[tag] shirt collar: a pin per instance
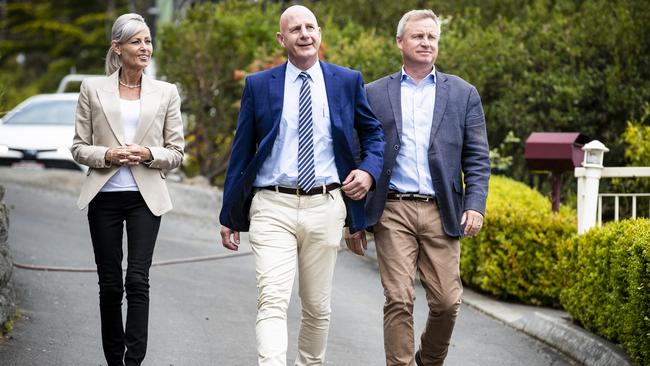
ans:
(293, 72)
(431, 76)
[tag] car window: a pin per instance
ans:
(45, 112)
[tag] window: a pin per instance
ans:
(45, 112)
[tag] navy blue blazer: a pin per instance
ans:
(458, 147)
(257, 129)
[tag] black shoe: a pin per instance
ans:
(418, 359)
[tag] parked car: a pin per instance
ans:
(72, 81)
(38, 132)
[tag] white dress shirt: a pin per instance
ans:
(411, 172)
(123, 179)
(281, 166)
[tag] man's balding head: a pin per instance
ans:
(293, 11)
(300, 35)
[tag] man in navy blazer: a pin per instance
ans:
(293, 182)
(435, 141)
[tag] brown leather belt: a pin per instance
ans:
(397, 196)
(300, 192)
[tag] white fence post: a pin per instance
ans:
(588, 182)
(579, 173)
(591, 181)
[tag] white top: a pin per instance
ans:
(123, 179)
(281, 166)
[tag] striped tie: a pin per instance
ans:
(306, 170)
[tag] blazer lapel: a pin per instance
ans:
(395, 100)
(150, 97)
(332, 90)
(442, 95)
(109, 97)
(276, 93)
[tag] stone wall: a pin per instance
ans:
(7, 304)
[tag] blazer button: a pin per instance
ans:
(396, 147)
(388, 171)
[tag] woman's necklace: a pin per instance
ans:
(129, 86)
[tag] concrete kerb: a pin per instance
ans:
(550, 326)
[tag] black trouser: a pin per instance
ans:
(106, 216)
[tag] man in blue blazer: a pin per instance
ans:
(435, 141)
(293, 182)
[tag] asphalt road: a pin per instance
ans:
(202, 313)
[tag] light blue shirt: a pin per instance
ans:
(281, 166)
(411, 172)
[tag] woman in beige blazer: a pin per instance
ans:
(128, 132)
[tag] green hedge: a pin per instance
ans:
(515, 255)
(528, 254)
(608, 272)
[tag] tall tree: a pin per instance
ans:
(201, 52)
(42, 41)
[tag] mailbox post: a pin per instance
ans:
(555, 152)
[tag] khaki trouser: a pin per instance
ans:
(409, 238)
(289, 231)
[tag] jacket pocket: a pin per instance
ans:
(458, 187)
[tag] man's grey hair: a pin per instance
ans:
(125, 27)
(416, 15)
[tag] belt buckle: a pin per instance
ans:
(397, 196)
(297, 191)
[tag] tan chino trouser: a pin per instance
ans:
(290, 232)
(409, 238)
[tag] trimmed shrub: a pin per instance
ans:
(607, 275)
(515, 256)
(201, 52)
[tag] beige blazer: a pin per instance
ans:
(98, 126)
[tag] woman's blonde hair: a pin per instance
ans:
(125, 27)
